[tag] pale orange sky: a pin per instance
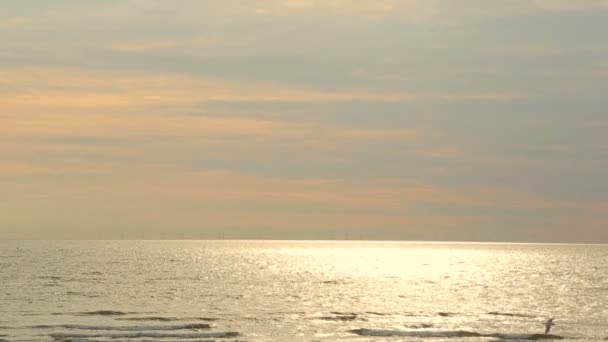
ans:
(295, 119)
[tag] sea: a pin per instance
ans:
(230, 291)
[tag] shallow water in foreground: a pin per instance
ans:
(300, 291)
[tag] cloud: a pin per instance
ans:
(73, 88)
(231, 9)
(65, 15)
(307, 113)
(565, 5)
(14, 23)
(396, 194)
(157, 196)
(171, 44)
(405, 9)
(10, 168)
(410, 10)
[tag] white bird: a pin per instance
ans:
(548, 324)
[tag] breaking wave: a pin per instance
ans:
(103, 313)
(67, 336)
(166, 319)
(451, 334)
(196, 326)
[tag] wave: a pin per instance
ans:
(406, 314)
(166, 319)
(363, 316)
(377, 313)
(420, 326)
(103, 313)
(82, 294)
(64, 336)
(340, 316)
(508, 314)
(451, 334)
(422, 334)
(529, 337)
(195, 326)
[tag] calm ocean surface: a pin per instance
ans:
(299, 291)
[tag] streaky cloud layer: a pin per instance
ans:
(439, 120)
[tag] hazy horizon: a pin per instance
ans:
(329, 242)
(428, 120)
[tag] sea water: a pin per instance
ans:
(300, 291)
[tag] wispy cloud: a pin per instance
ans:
(171, 196)
(9, 168)
(90, 89)
(564, 5)
(169, 44)
(406, 9)
(13, 22)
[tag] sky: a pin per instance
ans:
(468, 120)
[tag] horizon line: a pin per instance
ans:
(424, 242)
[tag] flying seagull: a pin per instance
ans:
(548, 324)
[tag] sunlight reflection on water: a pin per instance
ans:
(300, 290)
